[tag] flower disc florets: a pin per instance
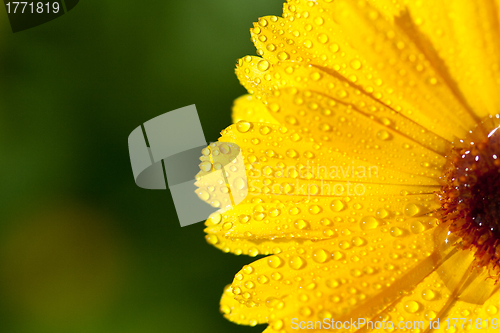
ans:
(470, 195)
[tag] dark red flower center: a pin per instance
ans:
(470, 195)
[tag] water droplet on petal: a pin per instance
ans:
(430, 315)
(205, 166)
(412, 209)
(396, 232)
(320, 255)
(265, 130)
(337, 205)
(383, 135)
(356, 64)
(491, 310)
(323, 38)
(301, 224)
(315, 209)
(417, 227)
(283, 55)
(428, 294)
(203, 195)
(296, 262)
(248, 269)
(243, 126)
(382, 213)
(274, 261)
(239, 183)
(212, 239)
(411, 307)
(368, 223)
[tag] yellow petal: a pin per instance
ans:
(272, 226)
(248, 108)
(306, 77)
(437, 298)
(465, 35)
(272, 151)
(355, 133)
(313, 282)
(370, 52)
(236, 311)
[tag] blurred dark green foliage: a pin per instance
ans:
(82, 249)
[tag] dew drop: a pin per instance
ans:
(320, 255)
(332, 284)
(214, 219)
(292, 153)
(315, 76)
(412, 209)
(492, 310)
(274, 261)
(203, 195)
(263, 65)
(296, 262)
(385, 121)
(265, 130)
(326, 221)
(383, 135)
(225, 309)
(337, 255)
(328, 232)
(428, 294)
(283, 55)
(278, 325)
(301, 224)
(205, 166)
(411, 307)
(396, 232)
(271, 47)
(248, 269)
(243, 126)
(239, 183)
(291, 120)
(356, 64)
(252, 252)
(305, 311)
(382, 213)
(309, 154)
(212, 239)
(344, 245)
(275, 212)
(323, 38)
(262, 279)
(430, 315)
(315, 209)
(358, 241)
(417, 227)
(337, 205)
(325, 127)
(295, 137)
(368, 223)
(244, 218)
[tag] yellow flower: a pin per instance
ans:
(369, 141)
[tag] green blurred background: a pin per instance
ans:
(82, 249)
